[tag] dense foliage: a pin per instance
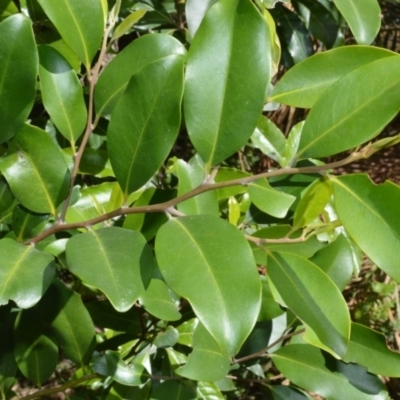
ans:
(161, 237)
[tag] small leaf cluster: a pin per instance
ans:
(162, 276)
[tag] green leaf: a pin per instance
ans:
(356, 195)
(312, 203)
(157, 300)
(117, 261)
(36, 354)
(207, 261)
(18, 71)
(141, 52)
(303, 84)
(269, 139)
(190, 176)
(207, 362)
(307, 367)
(7, 8)
(337, 260)
(354, 119)
(141, 139)
(270, 309)
(195, 12)
(127, 23)
(6, 197)
(36, 170)
(287, 393)
(221, 107)
(62, 94)
(314, 298)
(113, 365)
(368, 348)
(27, 224)
(70, 323)
(269, 200)
(21, 264)
(173, 390)
(80, 23)
(209, 391)
(364, 19)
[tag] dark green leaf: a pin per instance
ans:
(221, 107)
(8, 366)
(36, 171)
(18, 71)
(173, 390)
(62, 94)
(21, 264)
(208, 261)
(141, 52)
(314, 298)
(140, 140)
(80, 23)
(27, 224)
(117, 261)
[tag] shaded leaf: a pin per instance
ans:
(139, 141)
(8, 366)
(207, 362)
(222, 108)
(18, 71)
(173, 390)
(356, 195)
(27, 224)
(303, 84)
(223, 287)
(117, 261)
(364, 19)
(314, 298)
(127, 23)
(80, 23)
(36, 171)
(21, 264)
(368, 348)
(70, 323)
(308, 367)
(141, 52)
(62, 93)
(158, 301)
(356, 118)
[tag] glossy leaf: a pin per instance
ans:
(307, 367)
(191, 175)
(368, 348)
(141, 52)
(18, 71)
(36, 354)
(303, 84)
(207, 362)
(7, 8)
(80, 23)
(221, 108)
(23, 264)
(195, 12)
(62, 93)
(223, 287)
(36, 171)
(354, 119)
(313, 202)
(281, 392)
(27, 224)
(139, 140)
(127, 23)
(209, 390)
(117, 261)
(270, 200)
(364, 19)
(71, 326)
(157, 300)
(313, 297)
(378, 206)
(337, 260)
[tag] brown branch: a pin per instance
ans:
(204, 187)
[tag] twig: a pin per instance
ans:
(204, 187)
(260, 241)
(262, 352)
